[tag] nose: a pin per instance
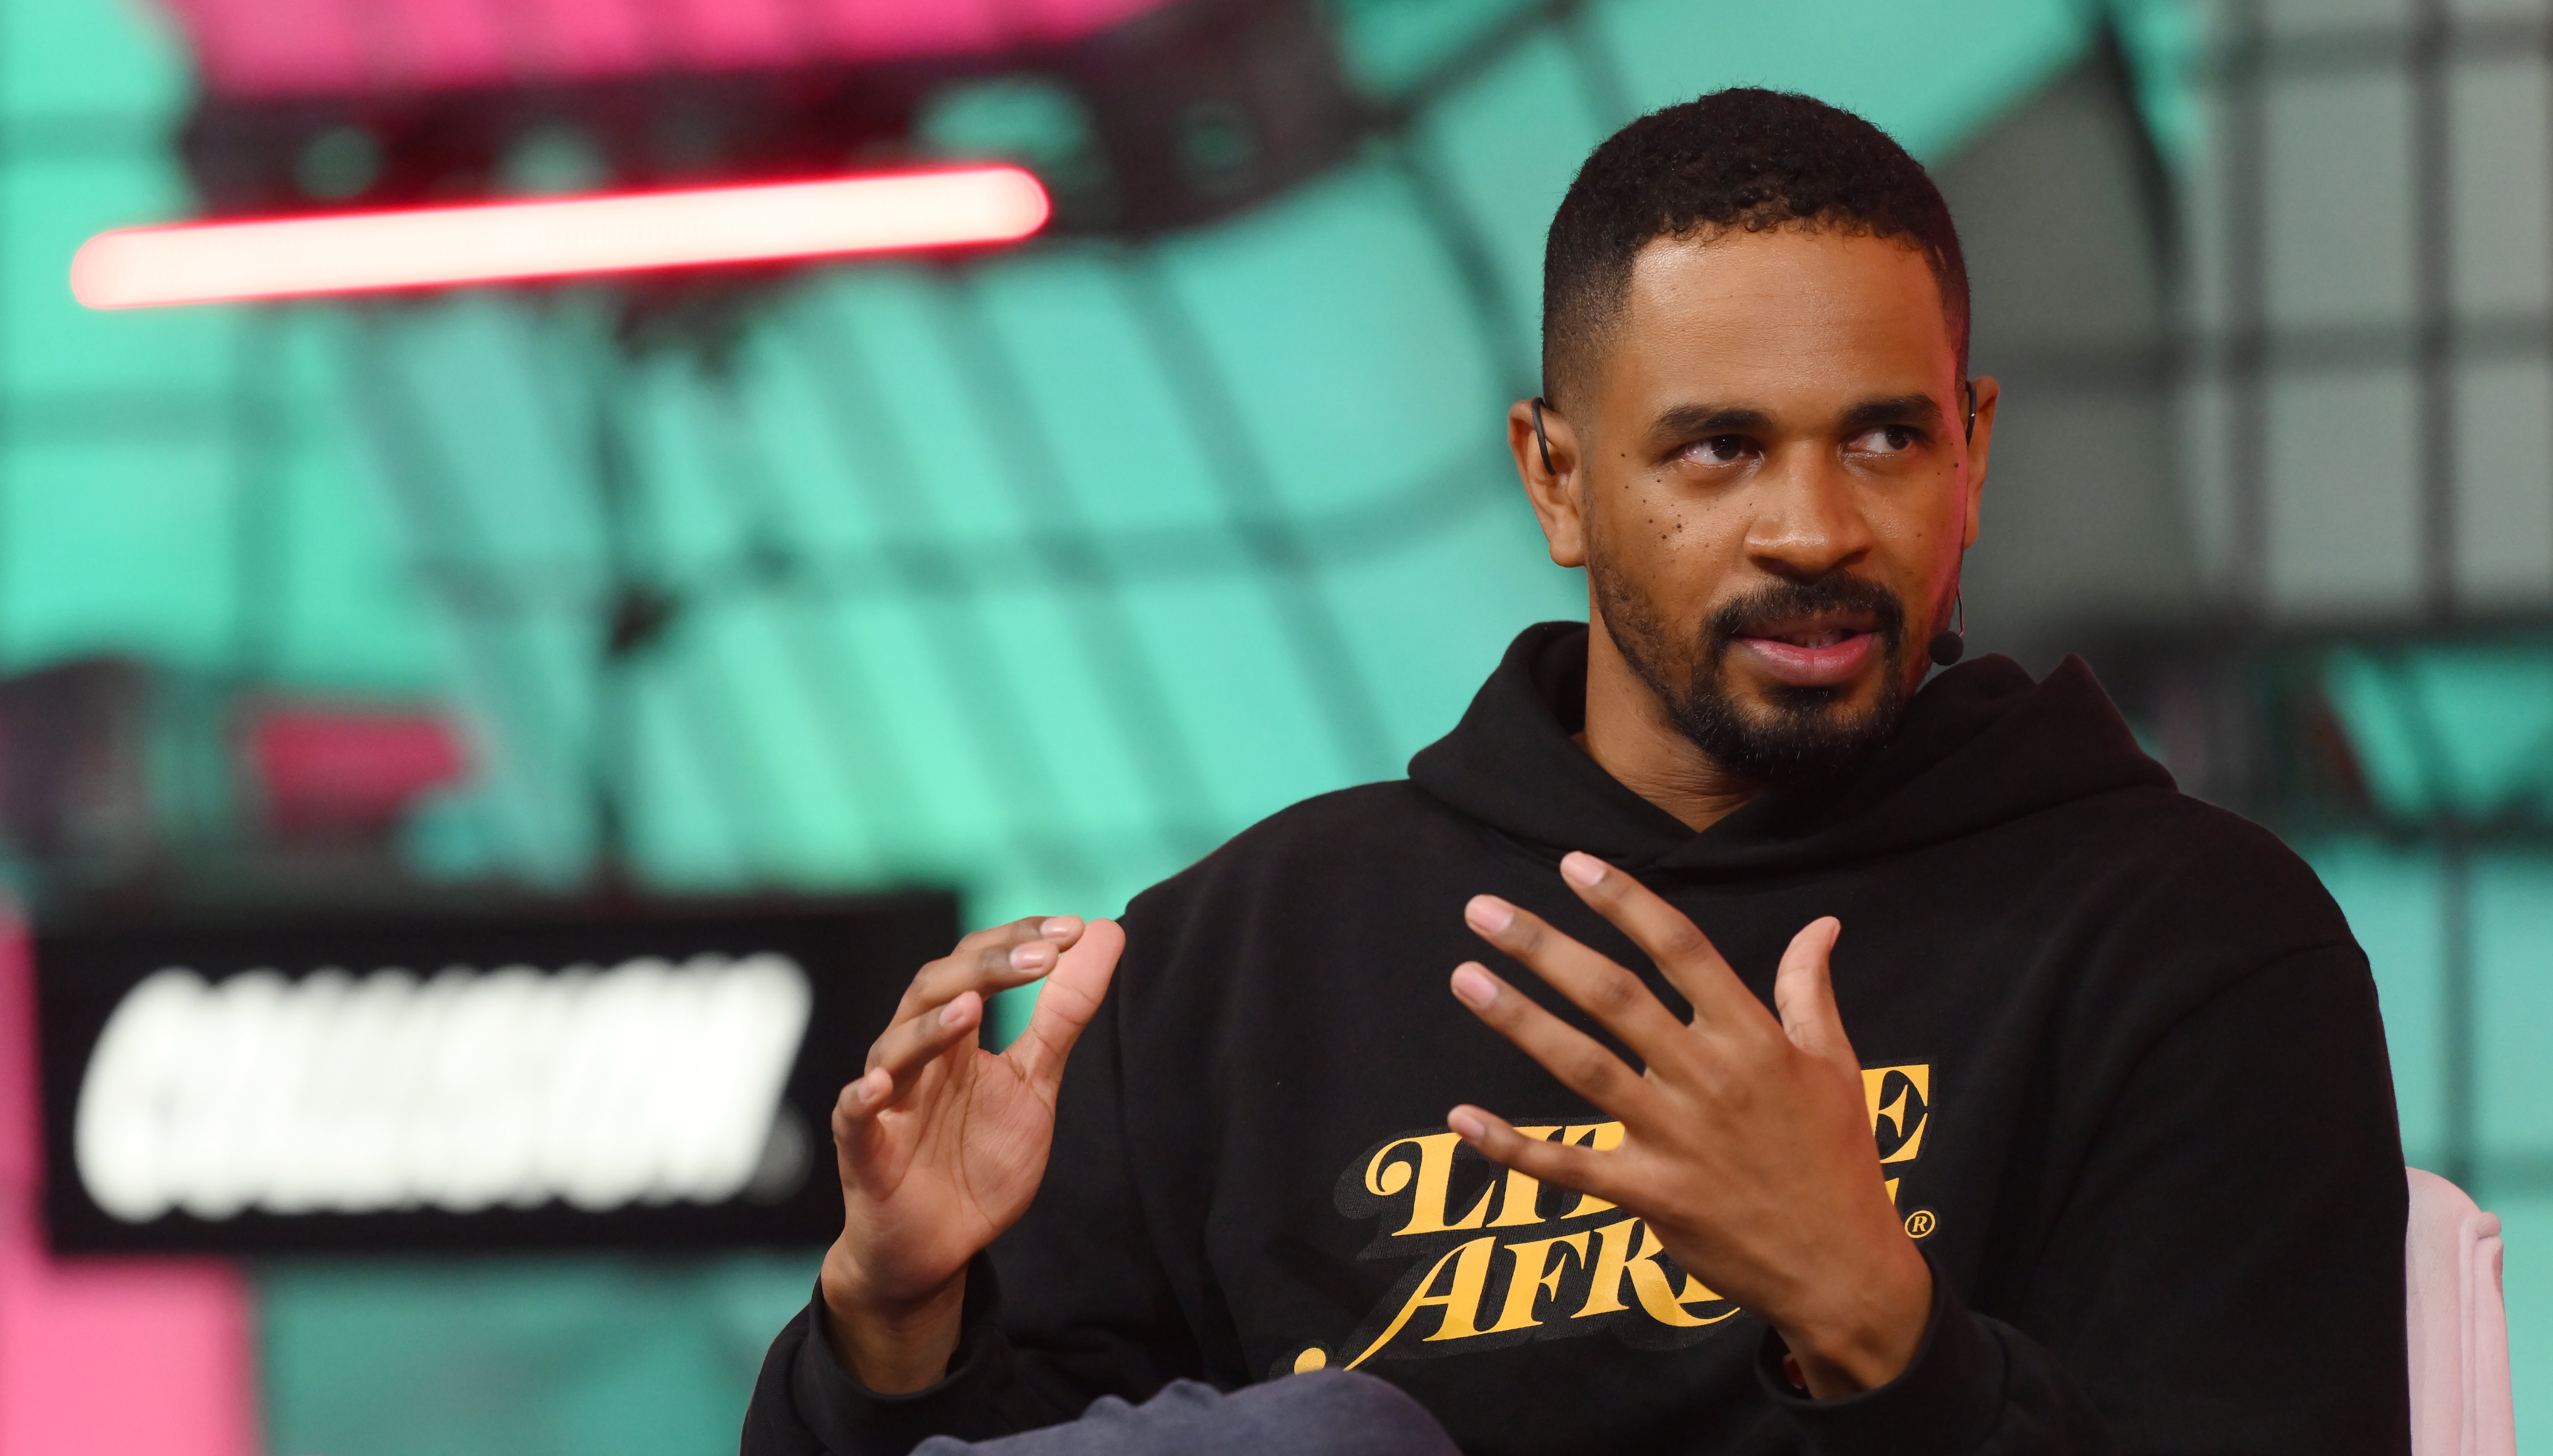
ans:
(1808, 519)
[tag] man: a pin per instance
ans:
(1831, 1063)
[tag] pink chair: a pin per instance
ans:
(2458, 1328)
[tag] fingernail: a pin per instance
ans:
(1466, 1124)
(865, 1090)
(1488, 914)
(1474, 987)
(1582, 868)
(1029, 954)
(952, 1013)
(1060, 927)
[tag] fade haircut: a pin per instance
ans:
(1746, 158)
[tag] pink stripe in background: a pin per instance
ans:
(734, 34)
(308, 48)
(867, 32)
(110, 1357)
(1065, 19)
(585, 39)
(432, 45)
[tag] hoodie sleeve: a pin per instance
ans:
(2226, 1275)
(1068, 1305)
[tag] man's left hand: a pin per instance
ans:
(1746, 1144)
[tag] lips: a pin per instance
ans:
(1824, 652)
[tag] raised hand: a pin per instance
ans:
(942, 1144)
(1745, 1143)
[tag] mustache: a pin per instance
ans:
(1758, 611)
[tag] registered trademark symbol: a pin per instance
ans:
(1918, 1223)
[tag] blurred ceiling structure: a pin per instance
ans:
(1044, 571)
(1037, 574)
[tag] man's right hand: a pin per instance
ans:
(942, 1143)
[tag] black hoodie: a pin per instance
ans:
(2124, 1068)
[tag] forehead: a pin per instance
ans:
(1739, 314)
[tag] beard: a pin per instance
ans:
(1798, 736)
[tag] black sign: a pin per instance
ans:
(556, 1077)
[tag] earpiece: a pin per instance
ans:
(1951, 643)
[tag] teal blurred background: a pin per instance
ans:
(1039, 576)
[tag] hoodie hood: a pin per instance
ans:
(1980, 744)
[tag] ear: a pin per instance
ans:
(1978, 446)
(1553, 490)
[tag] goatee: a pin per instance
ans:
(1801, 736)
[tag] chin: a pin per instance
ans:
(1782, 733)
(1770, 702)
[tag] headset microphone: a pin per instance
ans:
(1951, 643)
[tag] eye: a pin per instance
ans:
(1721, 450)
(1885, 439)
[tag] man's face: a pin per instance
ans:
(1771, 490)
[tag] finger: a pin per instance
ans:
(992, 959)
(1067, 1003)
(1581, 1169)
(867, 1154)
(1594, 982)
(1803, 994)
(1581, 1062)
(1684, 955)
(859, 1141)
(913, 1044)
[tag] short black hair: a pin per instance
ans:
(1746, 158)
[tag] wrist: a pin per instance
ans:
(1868, 1332)
(892, 1345)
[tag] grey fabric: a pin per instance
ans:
(1327, 1412)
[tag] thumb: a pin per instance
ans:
(1804, 995)
(1066, 1001)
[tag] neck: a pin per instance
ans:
(1629, 735)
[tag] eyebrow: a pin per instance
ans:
(1898, 409)
(1687, 421)
(1696, 421)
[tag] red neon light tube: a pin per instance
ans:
(434, 247)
